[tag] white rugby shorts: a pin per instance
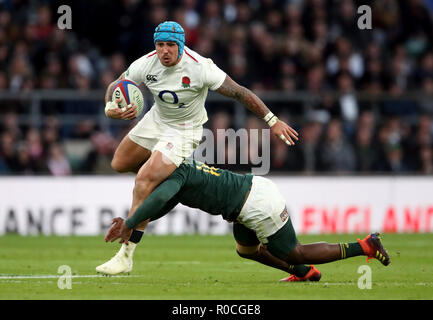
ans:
(264, 211)
(176, 143)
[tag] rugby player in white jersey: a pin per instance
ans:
(179, 80)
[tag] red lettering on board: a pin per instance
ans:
(390, 221)
(329, 221)
(350, 211)
(428, 219)
(412, 219)
(307, 219)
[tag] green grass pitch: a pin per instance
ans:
(196, 267)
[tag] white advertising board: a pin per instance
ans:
(86, 205)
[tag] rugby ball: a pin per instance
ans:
(130, 93)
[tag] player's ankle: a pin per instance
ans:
(301, 270)
(136, 236)
(348, 250)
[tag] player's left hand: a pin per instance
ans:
(118, 230)
(125, 113)
(285, 132)
(114, 232)
(125, 233)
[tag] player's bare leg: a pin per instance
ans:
(323, 252)
(150, 175)
(315, 253)
(260, 254)
(154, 171)
(129, 156)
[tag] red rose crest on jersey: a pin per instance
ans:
(185, 82)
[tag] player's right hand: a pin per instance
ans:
(114, 112)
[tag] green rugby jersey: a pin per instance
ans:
(196, 185)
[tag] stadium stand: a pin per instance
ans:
(361, 99)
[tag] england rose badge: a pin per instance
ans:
(186, 82)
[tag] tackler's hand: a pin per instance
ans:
(125, 233)
(115, 230)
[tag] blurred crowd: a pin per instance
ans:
(310, 46)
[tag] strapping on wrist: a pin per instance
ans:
(108, 106)
(270, 119)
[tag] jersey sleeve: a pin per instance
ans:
(166, 209)
(213, 76)
(158, 203)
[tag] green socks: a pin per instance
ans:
(299, 270)
(348, 250)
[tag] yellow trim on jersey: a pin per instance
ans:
(207, 169)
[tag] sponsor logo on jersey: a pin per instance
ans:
(169, 146)
(186, 82)
(152, 77)
(164, 95)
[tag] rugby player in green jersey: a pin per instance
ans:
(262, 227)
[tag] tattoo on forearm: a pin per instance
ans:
(245, 96)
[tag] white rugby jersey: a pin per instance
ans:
(179, 91)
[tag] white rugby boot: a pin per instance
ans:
(121, 262)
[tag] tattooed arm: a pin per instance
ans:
(252, 102)
(231, 89)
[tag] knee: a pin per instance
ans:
(147, 177)
(247, 252)
(142, 188)
(246, 255)
(119, 166)
(145, 183)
